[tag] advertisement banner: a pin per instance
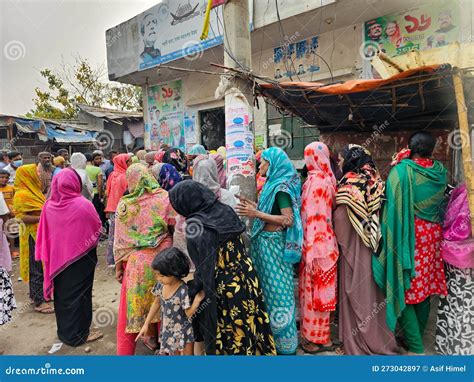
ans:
(239, 138)
(165, 115)
(421, 28)
(296, 58)
(171, 29)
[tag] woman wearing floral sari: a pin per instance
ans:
(277, 238)
(142, 229)
(27, 205)
(232, 320)
(409, 268)
(318, 268)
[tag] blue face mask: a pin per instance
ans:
(17, 163)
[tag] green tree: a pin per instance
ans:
(81, 83)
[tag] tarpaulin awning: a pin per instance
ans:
(137, 129)
(421, 96)
(69, 135)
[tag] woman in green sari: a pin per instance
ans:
(277, 238)
(409, 268)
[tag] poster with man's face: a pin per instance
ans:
(420, 28)
(166, 115)
(171, 30)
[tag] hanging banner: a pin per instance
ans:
(425, 27)
(296, 58)
(165, 115)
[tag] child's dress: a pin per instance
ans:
(176, 328)
(7, 299)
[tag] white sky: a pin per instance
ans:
(38, 33)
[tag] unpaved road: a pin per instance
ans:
(34, 333)
(31, 333)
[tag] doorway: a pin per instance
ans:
(212, 126)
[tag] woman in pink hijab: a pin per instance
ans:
(116, 186)
(220, 169)
(68, 233)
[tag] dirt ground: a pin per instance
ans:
(34, 333)
(31, 333)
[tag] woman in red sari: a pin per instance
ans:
(318, 268)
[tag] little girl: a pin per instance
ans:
(171, 294)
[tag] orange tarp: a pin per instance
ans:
(352, 86)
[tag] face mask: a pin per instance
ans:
(18, 163)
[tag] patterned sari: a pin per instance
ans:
(141, 231)
(318, 268)
(274, 253)
(28, 199)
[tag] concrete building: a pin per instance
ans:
(336, 50)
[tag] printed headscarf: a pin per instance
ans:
(361, 189)
(143, 216)
(320, 249)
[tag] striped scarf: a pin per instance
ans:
(361, 191)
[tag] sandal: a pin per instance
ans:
(150, 343)
(46, 309)
(94, 336)
(320, 348)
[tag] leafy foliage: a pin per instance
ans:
(81, 83)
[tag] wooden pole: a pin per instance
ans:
(466, 147)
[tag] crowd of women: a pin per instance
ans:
(368, 255)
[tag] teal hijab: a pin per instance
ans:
(197, 150)
(282, 176)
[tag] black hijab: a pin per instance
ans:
(177, 158)
(355, 157)
(209, 224)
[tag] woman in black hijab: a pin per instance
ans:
(177, 158)
(232, 318)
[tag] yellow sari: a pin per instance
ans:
(28, 198)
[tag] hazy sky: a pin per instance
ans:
(35, 34)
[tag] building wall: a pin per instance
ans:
(339, 26)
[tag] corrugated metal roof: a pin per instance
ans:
(110, 114)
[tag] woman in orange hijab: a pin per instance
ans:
(116, 186)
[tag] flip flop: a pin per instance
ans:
(150, 343)
(45, 310)
(94, 336)
(320, 349)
